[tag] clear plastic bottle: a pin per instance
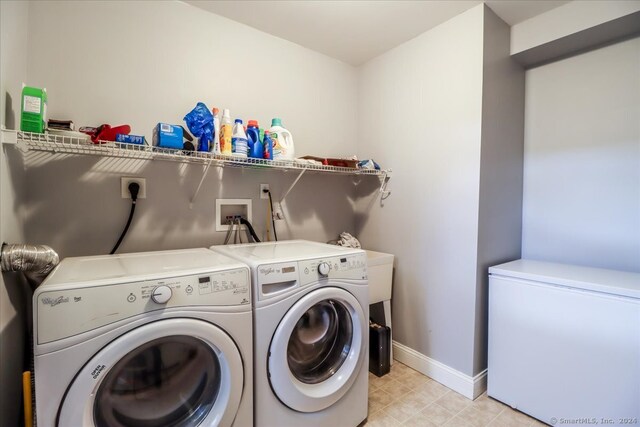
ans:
(239, 140)
(226, 133)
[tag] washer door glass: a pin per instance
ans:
(320, 341)
(169, 372)
(318, 349)
(170, 381)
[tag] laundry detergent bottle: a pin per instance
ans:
(239, 141)
(268, 145)
(282, 141)
(256, 148)
(226, 133)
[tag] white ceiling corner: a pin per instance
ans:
(356, 31)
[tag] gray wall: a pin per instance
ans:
(159, 74)
(446, 110)
(155, 72)
(14, 295)
(420, 113)
(582, 159)
(73, 203)
(500, 207)
(75, 206)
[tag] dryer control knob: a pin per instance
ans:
(323, 269)
(161, 294)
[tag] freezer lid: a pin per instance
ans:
(621, 283)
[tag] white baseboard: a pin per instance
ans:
(469, 387)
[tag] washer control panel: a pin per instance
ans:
(67, 312)
(278, 278)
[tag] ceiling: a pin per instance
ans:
(356, 31)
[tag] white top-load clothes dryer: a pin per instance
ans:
(311, 341)
(145, 339)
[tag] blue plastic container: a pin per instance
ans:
(130, 139)
(168, 136)
(203, 144)
(256, 148)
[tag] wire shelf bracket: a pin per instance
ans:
(384, 181)
(195, 194)
(293, 184)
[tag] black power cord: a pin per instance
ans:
(273, 222)
(134, 189)
(251, 230)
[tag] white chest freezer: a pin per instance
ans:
(564, 342)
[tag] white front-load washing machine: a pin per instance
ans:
(311, 311)
(145, 339)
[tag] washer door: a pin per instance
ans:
(317, 350)
(175, 372)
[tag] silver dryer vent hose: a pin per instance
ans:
(39, 259)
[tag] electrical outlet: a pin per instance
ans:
(263, 194)
(124, 186)
(277, 211)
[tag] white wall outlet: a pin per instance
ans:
(277, 211)
(263, 193)
(124, 186)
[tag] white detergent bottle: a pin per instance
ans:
(239, 142)
(216, 131)
(282, 141)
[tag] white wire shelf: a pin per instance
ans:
(54, 144)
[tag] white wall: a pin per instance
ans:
(420, 113)
(566, 20)
(151, 63)
(582, 159)
(13, 295)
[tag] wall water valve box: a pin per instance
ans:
(33, 114)
(168, 136)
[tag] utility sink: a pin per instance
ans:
(380, 270)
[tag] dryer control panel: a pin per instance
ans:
(66, 311)
(347, 267)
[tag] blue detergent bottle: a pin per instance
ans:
(256, 148)
(268, 145)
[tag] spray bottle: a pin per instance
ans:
(226, 133)
(215, 146)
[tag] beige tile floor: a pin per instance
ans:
(405, 397)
